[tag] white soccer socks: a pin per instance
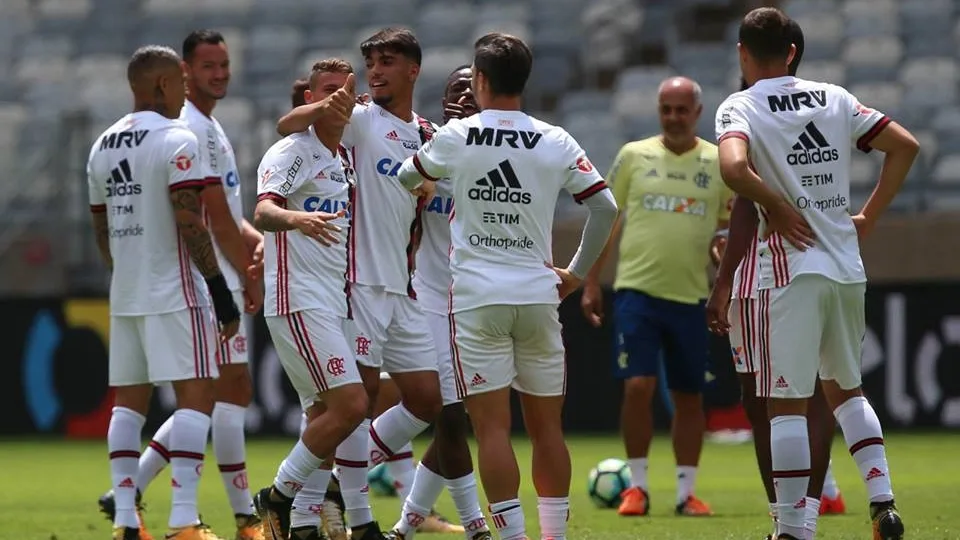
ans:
(864, 437)
(229, 446)
(790, 450)
(123, 443)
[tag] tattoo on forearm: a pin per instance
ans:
(271, 217)
(188, 210)
(101, 230)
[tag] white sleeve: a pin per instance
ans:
(183, 166)
(353, 132)
(581, 178)
(603, 214)
(282, 171)
(98, 200)
(731, 120)
(434, 159)
(865, 123)
(209, 153)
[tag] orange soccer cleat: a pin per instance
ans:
(833, 505)
(634, 502)
(693, 507)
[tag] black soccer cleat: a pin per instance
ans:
(887, 524)
(273, 509)
(368, 531)
(306, 533)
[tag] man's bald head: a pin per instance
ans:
(680, 87)
(156, 79)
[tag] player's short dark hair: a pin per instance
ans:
(505, 61)
(396, 40)
(765, 33)
(148, 58)
(328, 65)
(198, 37)
(296, 93)
(796, 36)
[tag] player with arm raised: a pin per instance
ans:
(392, 332)
(785, 144)
(447, 460)
(303, 199)
(506, 170)
(146, 195)
(732, 309)
(239, 249)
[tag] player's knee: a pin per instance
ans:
(639, 388)
(687, 403)
(195, 394)
(349, 408)
(425, 406)
(452, 423)
(235, 385)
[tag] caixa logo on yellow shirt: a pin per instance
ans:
(658, 202)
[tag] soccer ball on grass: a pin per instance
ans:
(381, 482)
(607, 481)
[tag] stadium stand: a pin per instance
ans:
(597, 67)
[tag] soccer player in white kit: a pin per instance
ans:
(392, 332)
(507, 170)
(785, 144)
(239, 249)
(145, 191)
(304, 194)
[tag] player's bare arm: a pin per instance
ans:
(743, 226)
(719, 241)
(335, 110)
(101, 231)
(254, 241)
(900, 149)
(739, 176)
(188, 212)
(224, 229)
(270, 216)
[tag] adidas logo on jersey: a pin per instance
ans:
(812, 148)
(500, 185)
(121, 183)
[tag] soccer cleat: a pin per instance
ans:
(274, 514)
(435, 523)
(832, 505)
(108, 508)
(635, 502)
(248, 527)
(195, 532)
(368, 531)
(125, 533)
(332, 521)
(887, 524)
(306, 533)
(693, 507)
(482, 535)
(394, 535)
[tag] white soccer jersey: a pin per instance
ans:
(507, 170)
(800, 133)
(217, 162)
(300, 273)
(386, 217)
(132, 168)
(745, 276)
(432, 277)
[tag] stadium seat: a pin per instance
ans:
(872, 58)
(503, 11)
(517, 28)
(803, 8)
(947, 170)
(870, 17)
(389, 12)
(443, 24)
(830, 71)
(823, 36)
(885, 97)
(586, 101)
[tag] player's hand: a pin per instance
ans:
(463, 108)
(786, 220)
(425, 190)
(717, 304)
(717, 246)
(255, 270)
(864, 226)
(337, 108)
(591, 303)
(568, 282)
(229, 330)
(253, 296)
(317, 225)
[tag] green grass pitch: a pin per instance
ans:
(50, 489)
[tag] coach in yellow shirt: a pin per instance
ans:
(673, 203)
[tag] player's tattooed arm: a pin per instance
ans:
(102, 232)
(188, 210)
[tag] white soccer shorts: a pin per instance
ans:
(176, 346)
(234, 351)
(811, 324)
(504, 346)
(742, 315)
(390, 331)
(314, 352)
(440, 330)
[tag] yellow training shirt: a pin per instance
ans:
(670, 205)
